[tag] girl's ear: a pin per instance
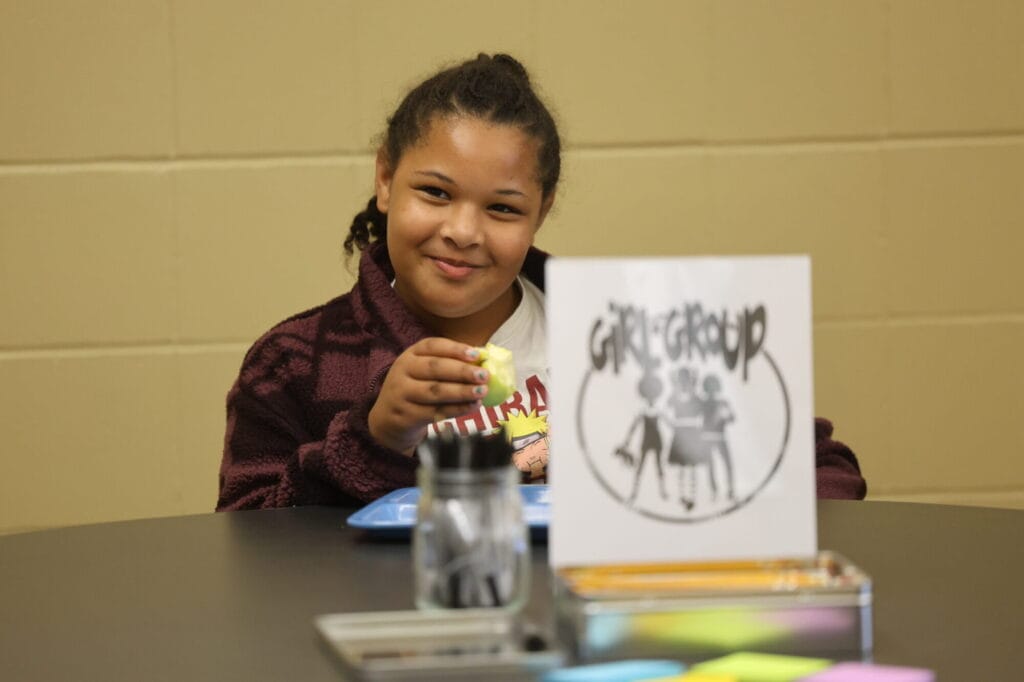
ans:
(382, 182)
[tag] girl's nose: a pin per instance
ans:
(463, 227)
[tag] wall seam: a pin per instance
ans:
(126, 350)
(971, 490)
(653, 148)
(921, 320)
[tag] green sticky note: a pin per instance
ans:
(750, 667)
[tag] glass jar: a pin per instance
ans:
(471, 547)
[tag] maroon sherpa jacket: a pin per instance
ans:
(297, 430)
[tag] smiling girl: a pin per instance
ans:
(331, 403)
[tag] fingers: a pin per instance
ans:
(442, 412)
(433, 368)
(441, 372)
(443, 393)
(432, 380)
(438, 346)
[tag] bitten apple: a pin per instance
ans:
(498, 363)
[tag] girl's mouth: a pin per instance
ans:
(454, 269)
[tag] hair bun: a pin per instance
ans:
(512, 65)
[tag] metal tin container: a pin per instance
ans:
(691, 612)
(437, 646)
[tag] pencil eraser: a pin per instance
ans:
(751, 667)
(619, 671)
(866, 672)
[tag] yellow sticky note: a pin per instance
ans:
(755, 667)
(696, 677)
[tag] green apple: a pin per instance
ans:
(498, 363)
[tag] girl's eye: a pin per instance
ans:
(505, 208)
(435, 192)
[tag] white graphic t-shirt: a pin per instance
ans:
(524, 415)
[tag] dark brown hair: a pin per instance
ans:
(492, 88)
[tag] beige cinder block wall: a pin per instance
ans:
(177, 175)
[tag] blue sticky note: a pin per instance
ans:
(619, 671)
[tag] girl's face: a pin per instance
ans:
(463, 206)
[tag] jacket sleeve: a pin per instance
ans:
(838, 472)
(271, 460)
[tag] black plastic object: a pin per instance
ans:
(476, 451)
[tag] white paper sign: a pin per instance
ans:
(682, 410)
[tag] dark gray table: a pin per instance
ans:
(232, 596)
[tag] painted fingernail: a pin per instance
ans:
(479, 390)
(473, 353)
(481, 375)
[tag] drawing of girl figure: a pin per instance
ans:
(650, 388)
(688, 449)
(716, 414)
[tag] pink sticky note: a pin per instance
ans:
(866, 672)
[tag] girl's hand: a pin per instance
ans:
(433, 379)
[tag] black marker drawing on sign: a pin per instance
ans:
(714, 363)
(650, 440)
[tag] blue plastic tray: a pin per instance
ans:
(395, 513)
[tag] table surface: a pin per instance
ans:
(233, 596)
